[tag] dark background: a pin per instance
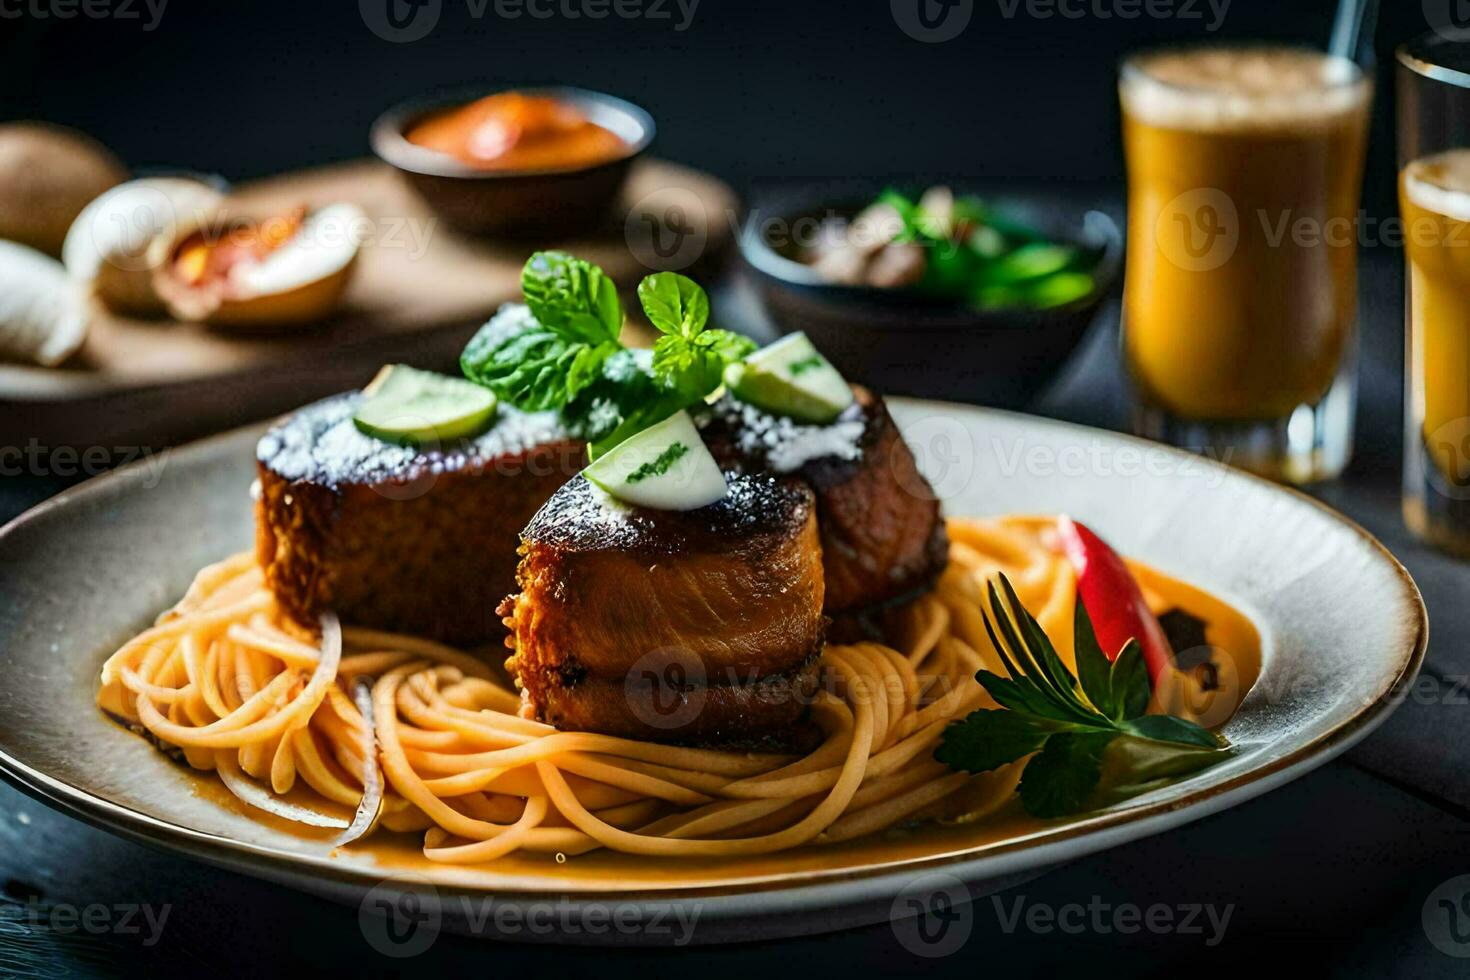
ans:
(751, 89)
(1327, 875)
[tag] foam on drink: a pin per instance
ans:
(1241, 88)
(1441, 183)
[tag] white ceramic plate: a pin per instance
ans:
(1342, 624)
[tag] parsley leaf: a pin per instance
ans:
(659, 466)
(1066, 723)
(988, 739)
(1059, 780)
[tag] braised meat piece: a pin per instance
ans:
(688, 626)
(413, 540)
(883, 539)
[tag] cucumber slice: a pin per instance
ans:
(407, 406)
(791, 378)
(1031, 262)
(665, 467)
(1059, 289)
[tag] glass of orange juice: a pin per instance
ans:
(1245, 169)
(1434, 202)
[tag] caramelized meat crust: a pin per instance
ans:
(622, 606)
(883, 539)
(419, 541)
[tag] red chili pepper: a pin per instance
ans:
(1113, 599)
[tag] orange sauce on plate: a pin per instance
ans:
(1236, 649)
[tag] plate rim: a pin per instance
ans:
(1051, 846)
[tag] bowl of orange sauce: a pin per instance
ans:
(524, 162)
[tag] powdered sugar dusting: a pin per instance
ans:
(785, 445)
(321, 444)
(581, 517)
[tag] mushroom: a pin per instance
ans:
(897, 264)
(48, 174)
(119, 239)
(286, 270)
(43, 312)
(848, 251)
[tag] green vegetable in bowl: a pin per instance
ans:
(958, 249)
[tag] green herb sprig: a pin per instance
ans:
(1066, 721)
(579, 319)
(573, 360)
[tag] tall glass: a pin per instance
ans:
(1245, 169)
(1434, 202)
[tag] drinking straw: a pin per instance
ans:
(1354, 21)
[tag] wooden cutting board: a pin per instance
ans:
(420, 291)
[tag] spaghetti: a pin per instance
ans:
(228, 681)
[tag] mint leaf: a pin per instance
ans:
(1167, 728)
(623, 385)
(687, 359)
(528, 369)
(674, 304)
(572, 298)
(1059, 780)
(988, 739)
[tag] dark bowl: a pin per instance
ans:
(900, 342)
(515, 202)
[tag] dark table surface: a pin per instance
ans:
(1341, 867)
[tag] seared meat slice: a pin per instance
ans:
(702, 625)
(663, 705)
(418, 541)
(883, 539)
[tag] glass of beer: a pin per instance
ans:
(1245, 169)
(1434, 202)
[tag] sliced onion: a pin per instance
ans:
(253, 794)
(261, 798)
(371, 806)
